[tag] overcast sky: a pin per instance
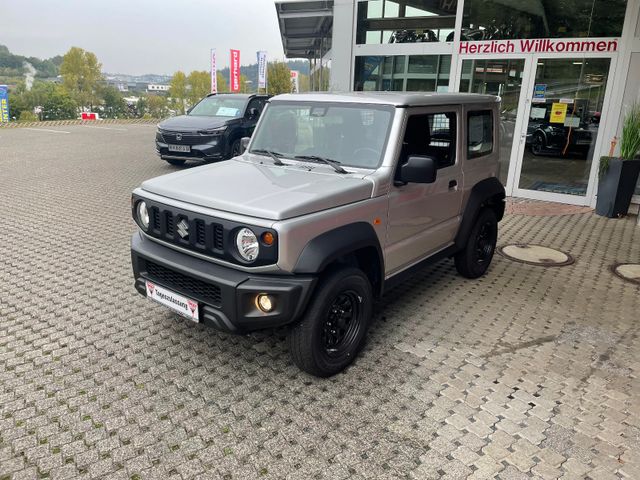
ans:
(142, 36)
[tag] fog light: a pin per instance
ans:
(266, 303)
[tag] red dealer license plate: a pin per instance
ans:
(176, 302)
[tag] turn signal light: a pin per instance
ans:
(268, 238)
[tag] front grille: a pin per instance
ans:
(200, 232)
(218, 237)
(187, 138)
(168, 216)
(191, 287)
(203, 234)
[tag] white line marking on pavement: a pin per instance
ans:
(46, 130)
(106, 128)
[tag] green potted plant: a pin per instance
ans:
(617, 176)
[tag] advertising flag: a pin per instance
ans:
(214, 77)
(295, 81)
(262, 69)
(4, 103)
(234, 71)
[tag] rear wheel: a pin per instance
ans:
(335, 324)
(474, 260)
(537, 144)
(174, 161)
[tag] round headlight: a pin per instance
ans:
(143, 215)
(247, 244)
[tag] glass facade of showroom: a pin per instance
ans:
(551, 61)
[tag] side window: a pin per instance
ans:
(256, 103)
(479, 133)
(432, 134)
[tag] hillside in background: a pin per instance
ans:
(14, 68)
(251, 71)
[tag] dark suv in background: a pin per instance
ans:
(211, 129)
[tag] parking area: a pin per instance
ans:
(528, 372)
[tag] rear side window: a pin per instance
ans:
(432, 134)
(479, 133)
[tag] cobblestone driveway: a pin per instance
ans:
(527, 372)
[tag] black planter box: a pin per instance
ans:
(616, 186)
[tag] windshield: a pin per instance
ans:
(214, 106)
(352, 134)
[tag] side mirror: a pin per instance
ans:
(418, 169)
(244, 143)
(253, 113)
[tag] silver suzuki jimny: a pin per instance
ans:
(335, 199)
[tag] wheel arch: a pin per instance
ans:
(355, 244)
(488, 193)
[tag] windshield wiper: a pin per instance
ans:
(332, 163)
(274, 155)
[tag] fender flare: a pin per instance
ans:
(486, 192)
(334, 244)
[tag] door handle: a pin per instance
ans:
(453, 184)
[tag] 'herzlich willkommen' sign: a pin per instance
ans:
(539, 45)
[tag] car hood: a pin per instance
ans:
(189, 123)
(260, 190)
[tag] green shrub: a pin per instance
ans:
(26, 116)
(630, 141)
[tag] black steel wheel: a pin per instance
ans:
(334, 327)
(474, 260)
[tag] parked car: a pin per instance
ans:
(211, 129)
(337, 198)
(547, 138)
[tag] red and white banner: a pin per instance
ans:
(295, 81)
(234, 71)
(214, 74)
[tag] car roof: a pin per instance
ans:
(237, 95)
(397, 99)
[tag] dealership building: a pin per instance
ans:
(566, 71)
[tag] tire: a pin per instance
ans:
(173, 161)
(316, 345)
(474, 260)
(234, 151)
(538, 144)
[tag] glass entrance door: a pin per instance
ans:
(503, 77)
(562, 128)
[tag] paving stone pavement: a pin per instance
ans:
(528, 372)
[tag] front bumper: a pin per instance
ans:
(205, 151)
(226, 296)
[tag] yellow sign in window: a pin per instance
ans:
(558, 113)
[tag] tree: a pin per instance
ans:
(80, 72)
(245, 84)
(303, 81)
(141, 107)
(178, 89)
(321, 82)
(278, 78)
(200, 83)
(114, 104)
(223, 86)
(58, 104)
(157, 106)
(55, 101)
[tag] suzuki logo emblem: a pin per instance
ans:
(183, 228)
(178, 136)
